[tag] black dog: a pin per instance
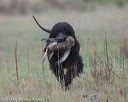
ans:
(63, 57)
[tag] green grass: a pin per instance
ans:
(35, 83)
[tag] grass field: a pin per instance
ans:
(105, 76)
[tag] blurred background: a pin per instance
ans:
(91, 20)
(38, 6)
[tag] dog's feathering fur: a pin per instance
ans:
(65, 53)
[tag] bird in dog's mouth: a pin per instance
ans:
(56, 44)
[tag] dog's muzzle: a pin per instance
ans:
(61, 37)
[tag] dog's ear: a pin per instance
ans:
(46, 30)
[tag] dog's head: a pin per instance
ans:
(59, 31)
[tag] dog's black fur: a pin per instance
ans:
(73, 63)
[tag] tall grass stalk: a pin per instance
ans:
(108, 70)
(16, 66)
